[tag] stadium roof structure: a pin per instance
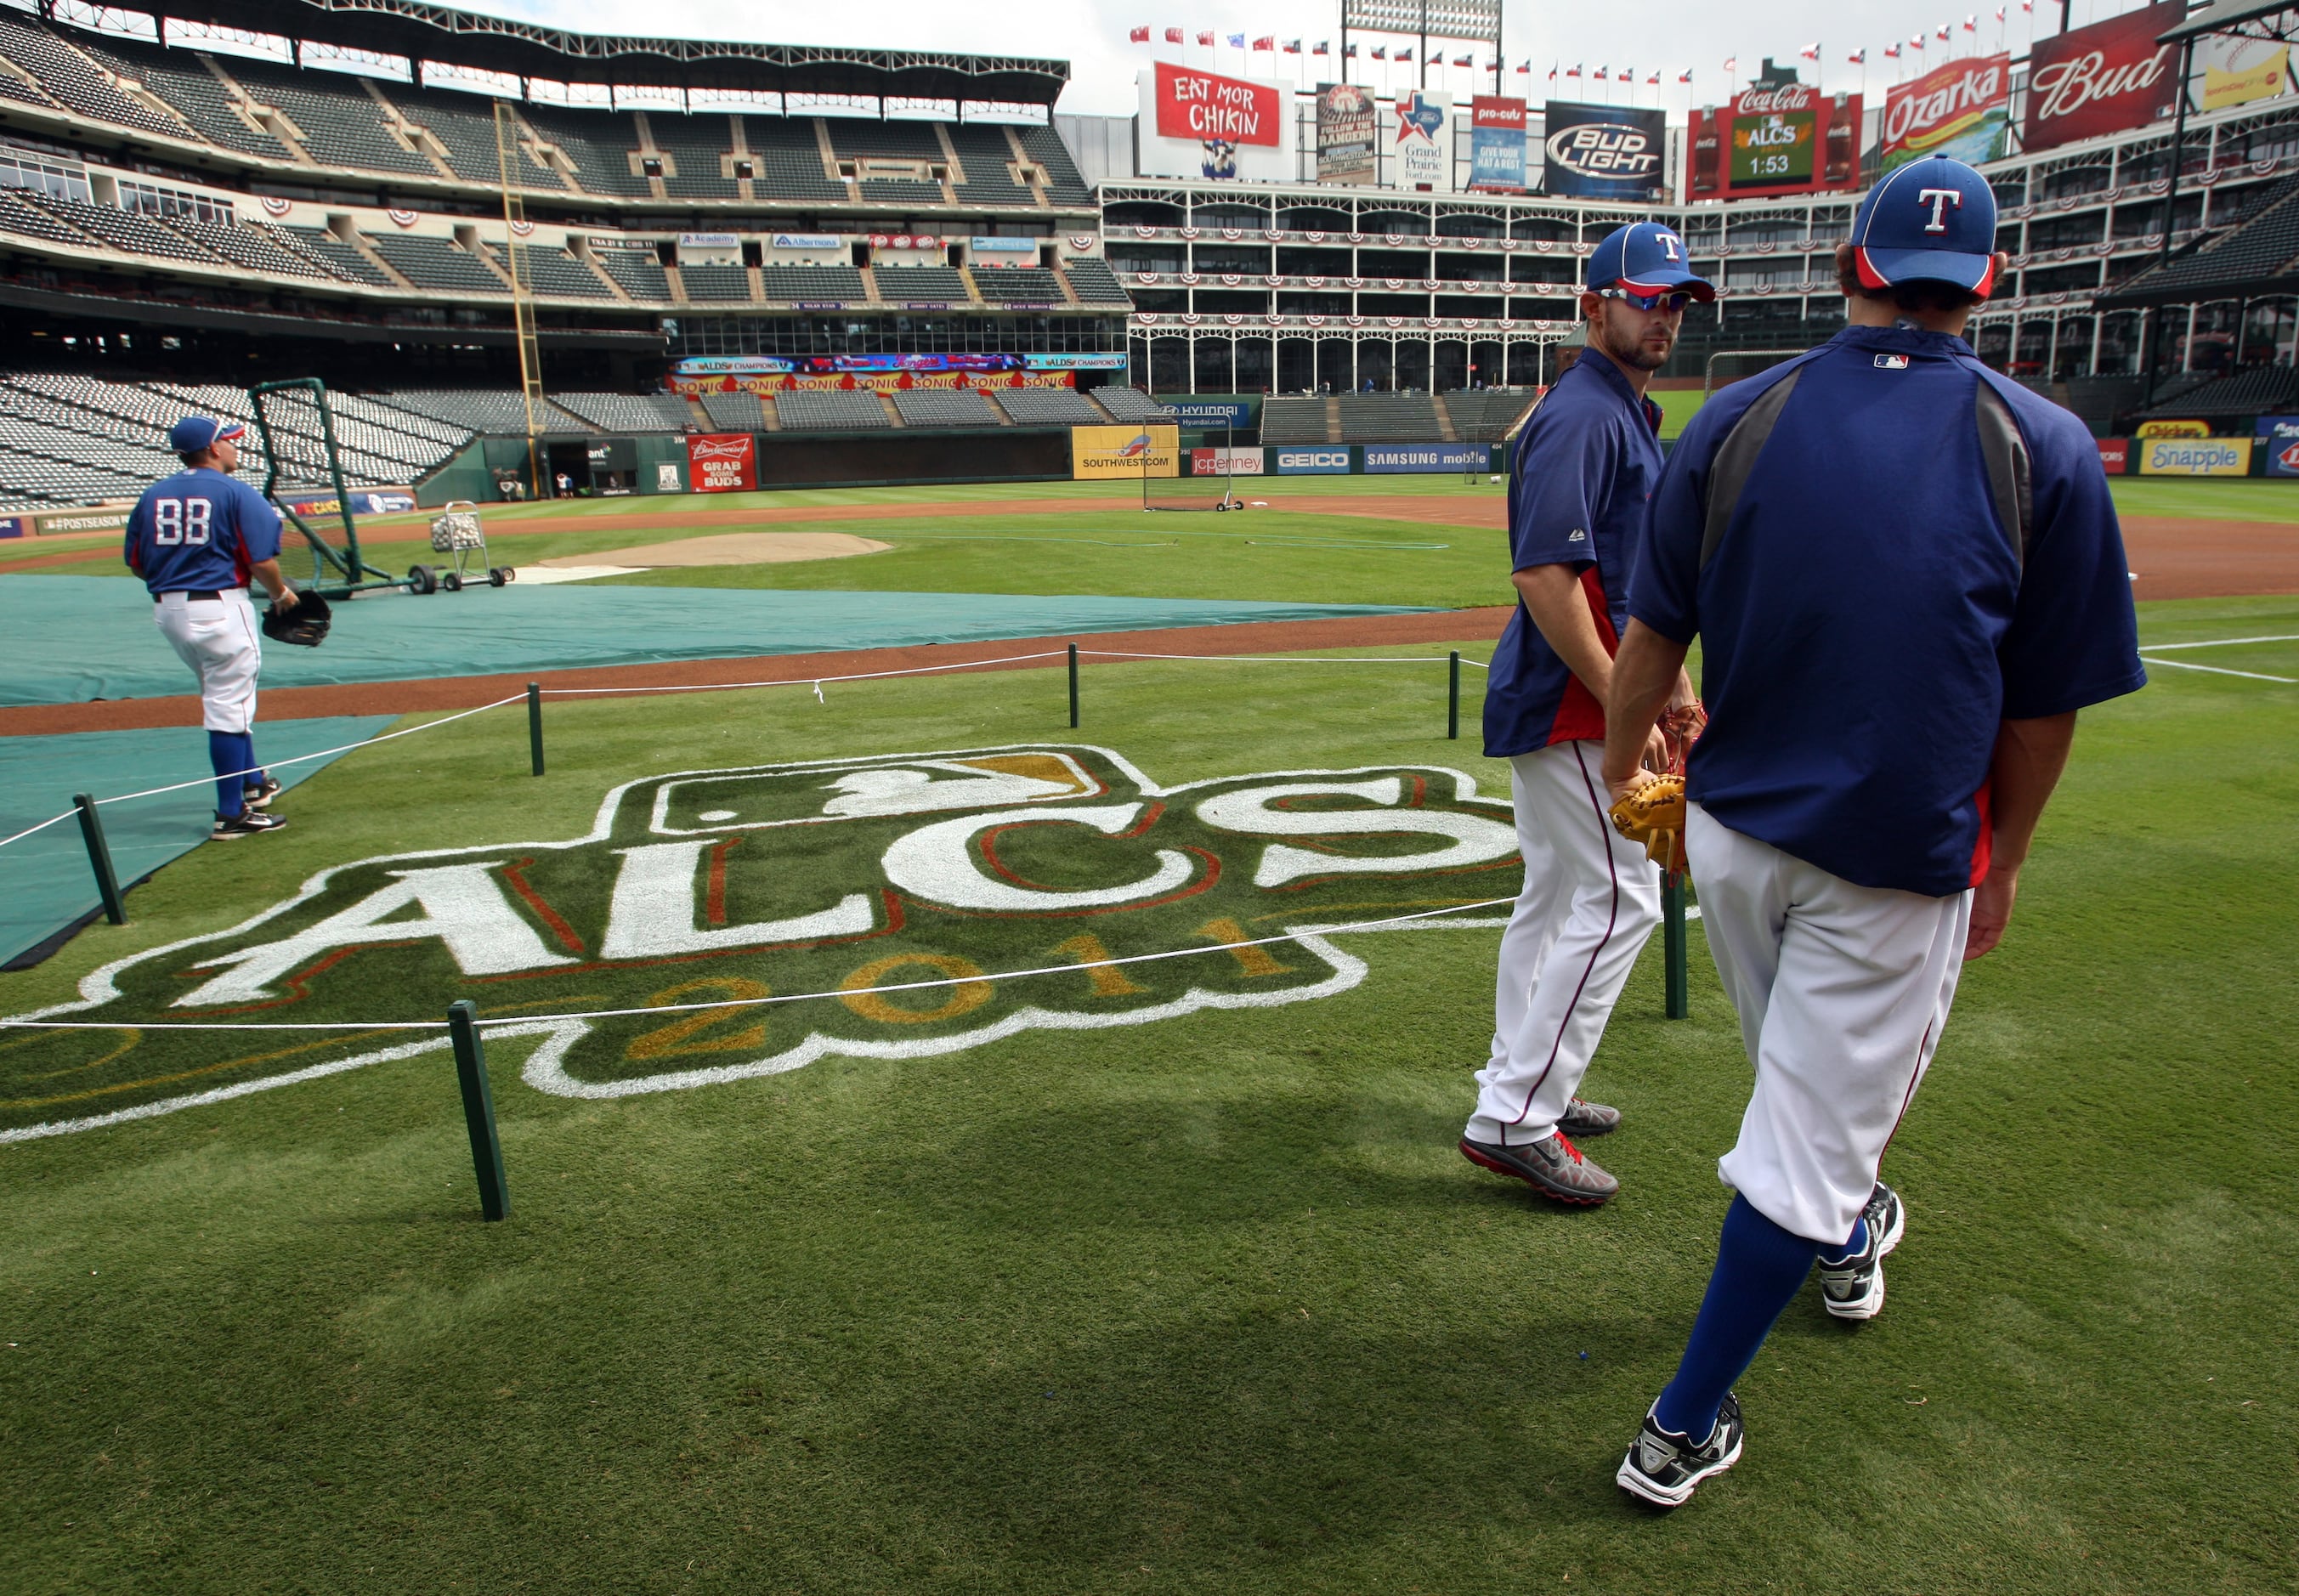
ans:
(2261, 19)
(427, 32)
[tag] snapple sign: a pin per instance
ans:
(1202, 105)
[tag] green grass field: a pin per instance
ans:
(1205, 1303)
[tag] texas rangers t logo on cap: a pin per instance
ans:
(1939, 199)
(1930, 221)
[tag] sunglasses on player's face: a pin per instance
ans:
(1673, 300)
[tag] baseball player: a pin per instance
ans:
(195, 539)
(1585, 465)
(1906, 577)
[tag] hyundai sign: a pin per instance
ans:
(1603, 152)
(1399, 459)
(1311, 462)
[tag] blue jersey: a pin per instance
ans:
(1585, 466)
(1885, 549)
(200, 532)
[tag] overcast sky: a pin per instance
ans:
(1090, 34)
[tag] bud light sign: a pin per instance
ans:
(1603, 152)
(722, 462)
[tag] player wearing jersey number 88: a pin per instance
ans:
(1585, 461)
(1907, 578)
(196, 539)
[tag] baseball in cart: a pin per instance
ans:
(457, 533)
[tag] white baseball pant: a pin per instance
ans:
(218, 638)
(1842, 992)
(1590, 898)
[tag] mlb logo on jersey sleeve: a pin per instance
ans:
(1892, 362)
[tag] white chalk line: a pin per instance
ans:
(2254, 676)
(2158, 648)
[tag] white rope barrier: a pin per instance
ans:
(43, 826)
(986, 978)
(1119, 653)
(802, 681)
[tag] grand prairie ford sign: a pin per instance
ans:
(905, 888)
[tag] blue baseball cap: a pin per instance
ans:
(1931, 220)
(1645, 257)
(194, 433)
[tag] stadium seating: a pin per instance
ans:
(627, 413)
(1047, 407)
(124, 229)
(735, 413)
(787, 160)
(695, 144)
(337, 128)
(835, 284)
(1063, 187)
(637, 273)
(555, 273)
(828, 410)
(479, 409)
(182, 79)
(1095, 283)
(464, 128)
(921, 285)
(439, 264)
(598, 147)
(339, 257)
(1388, 418)
(944, 407)
(2253, 391)
(20, 215)
(255, 248)
(1296, 420)
(717, 284)
(1131, 404)
(984, 156)
(1018, 284)
(75, 81)
(1481, 416)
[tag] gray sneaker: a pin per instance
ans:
(1663, 1468)
(1552, 1165)
(1854, 1287)
(1589, 1119)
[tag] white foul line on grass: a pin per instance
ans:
(2217, 643)
(2221, 670)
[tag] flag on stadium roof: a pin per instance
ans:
(1598, 75)
(1405, 55)
(1172, 36)
(1653, 78)
(1731, 63)
(1573, 71)
(1811, 52)
(1945, 32)
(1321, 48)
(1971, 24)
(1206, 39)
(1685, 76)
(1139, 35)
(1237, 42)
(1858, 57)
(1461, 61)
(1891, 51)
(1380, 52)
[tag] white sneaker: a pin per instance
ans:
(1854, 1289)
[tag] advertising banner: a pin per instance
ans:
(87, 520)
(2279, 436)
(1962, 110)
(722, 462)
(1405, 459)
(2175, 428)
(813, 241)
(1420, 141)
(1198, 411)
(1792, 139)
(1496, 143)
(1603, 152)
(1349, 124)
(2114, 455)
(2103, 78)
(1332, 462)
(11, 525)
(379, 501)
(2239, 71)
(1116, 453)
(1199, 124)
(2195, 457)
(1225, 462)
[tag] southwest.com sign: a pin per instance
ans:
(1102, 454)
(1393, 460)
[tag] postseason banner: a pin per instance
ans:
(2103, 78)
(1348, 125)
(1603, 152)
(1962, 110)
(1496, 144)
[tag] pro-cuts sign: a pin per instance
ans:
(1199, 124)
(1962, 110)
(722, 462)
(900, 896)
(2103, 78)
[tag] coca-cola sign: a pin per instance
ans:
(1789, 139)
(1961, 109)
(2103, 78)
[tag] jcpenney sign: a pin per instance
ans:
(2103, 78)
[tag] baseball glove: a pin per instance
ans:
(305, 624)
(1653, 815)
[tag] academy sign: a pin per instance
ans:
(910, 890)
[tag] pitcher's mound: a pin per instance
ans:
(732, 548)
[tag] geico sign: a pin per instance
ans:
(855, 878)
(1603, 150)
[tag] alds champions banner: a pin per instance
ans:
(1962, 110)
(1108, 454)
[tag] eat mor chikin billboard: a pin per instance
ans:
(1787, 139)
(1200, 124)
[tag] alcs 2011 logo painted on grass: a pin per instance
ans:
(853, 878)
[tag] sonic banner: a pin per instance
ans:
(1107, 453)
(1792, 139)
(1496, 144)
(2103, 78)
(1603, 152)
(1962, 109)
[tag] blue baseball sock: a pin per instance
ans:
(1829, 1257)
(1759, 1267)
(228, 754)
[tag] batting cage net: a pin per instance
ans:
(303, 476)
(1199, 477)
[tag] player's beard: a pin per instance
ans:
(1640, 341)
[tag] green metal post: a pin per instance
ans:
(535, 724)
(1074, 684)
(99, 857)
(1675, 980)
(1453, 698)
(478, 1110)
